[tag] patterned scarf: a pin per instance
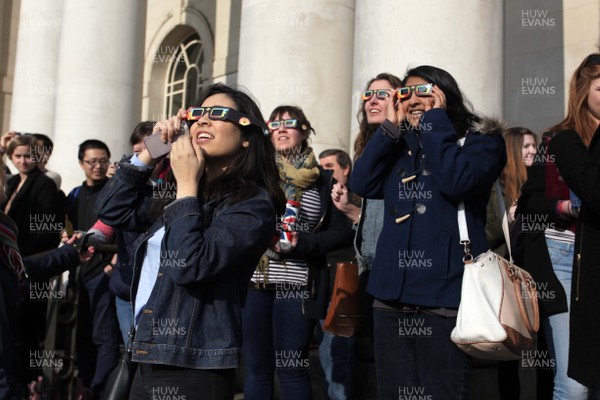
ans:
(9, 249)
(298, 173)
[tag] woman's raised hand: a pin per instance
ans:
(438, 99)
(395, 114)
(188, 164)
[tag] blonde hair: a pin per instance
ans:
(22, 140)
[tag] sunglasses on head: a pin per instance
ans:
(224, 113)
(287, 123)
(420, 90)
(381, 94)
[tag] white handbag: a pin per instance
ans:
(498, 316)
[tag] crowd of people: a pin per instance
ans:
(221, 245)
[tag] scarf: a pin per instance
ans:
(298, 173)
(9, 249)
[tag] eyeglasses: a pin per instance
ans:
(220, 113)
(287, 123)
(92, 163)
(381, 94)
(420, 90)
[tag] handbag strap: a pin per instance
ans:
(462, 221)
(504, 215)
(464, 231)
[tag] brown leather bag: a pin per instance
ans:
(343, 316)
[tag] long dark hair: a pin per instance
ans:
(458, 108)
(254, 166)
(367, 130)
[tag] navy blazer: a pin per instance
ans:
(422, 176)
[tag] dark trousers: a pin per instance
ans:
(156, 381)
(276, 337)
(415, 358)
(98, 334)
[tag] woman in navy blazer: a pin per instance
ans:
(415, 163)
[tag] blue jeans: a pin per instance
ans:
(124, 315)
(276, 337)
(415, 358)
(337, 360)
(556, 327)
(97, 332)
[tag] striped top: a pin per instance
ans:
(565, 236)
(292, 270)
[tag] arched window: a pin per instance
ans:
(184, 76)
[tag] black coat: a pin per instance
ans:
(333, 232)
(536, 212)
(580, 168)
(43, 266)
(39, 267)
(38, 211)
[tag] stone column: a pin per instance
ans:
(99, 85)
(463, 38)
(300, 53)
(35, 88)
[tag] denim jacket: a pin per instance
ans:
(193, 315)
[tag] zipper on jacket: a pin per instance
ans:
(578, 266)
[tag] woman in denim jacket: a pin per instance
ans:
(193, 265)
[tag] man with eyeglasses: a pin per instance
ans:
(97, 325)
